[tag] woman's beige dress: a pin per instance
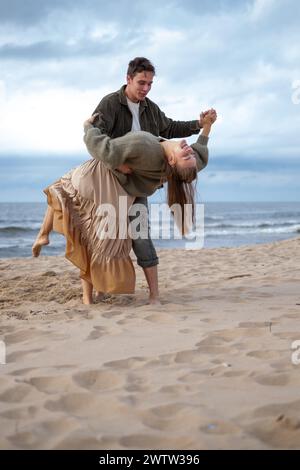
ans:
(96, 243)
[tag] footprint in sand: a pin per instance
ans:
(213, 345)
(77, 404)
(192, 377)
(81, 439)
(97, 380)
(290, 335)
(120, 301)
(6, 381)
(276, 410)
(190, 356)
(27, 412)
(15, 394)
(26, 440)
(43, 432)
(97, 332)
(174, 416)
(16, 314)
(52, 384)
(150, 441)
(167, 411)
(222, 337)
(24, 371)
(19, 355)
(282, 432)
(276, 380)
(243, 332)
(264, 324)
(292, 316)
(130, 363)
(162, 360)
(56, 427)
(220, 427)
(21, 336)
(284, 364)
(266, 354)
(137, 383)
(127, 320)
(112, 313)
(211, 340)
(160, 318)
(178, 388)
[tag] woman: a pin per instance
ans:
(121, 169)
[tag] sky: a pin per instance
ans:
(58, 58)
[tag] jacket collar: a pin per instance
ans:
(123, 100)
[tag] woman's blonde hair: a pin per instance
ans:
(181, 191)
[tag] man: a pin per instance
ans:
(127, 110)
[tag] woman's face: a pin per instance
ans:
(184, 154)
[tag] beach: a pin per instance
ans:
(211, 368)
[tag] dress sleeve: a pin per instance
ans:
(201, 151)
(101, 147)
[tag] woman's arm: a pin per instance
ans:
(201, 152)
(200, 147)
(100, 146)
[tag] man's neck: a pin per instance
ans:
(134, 100)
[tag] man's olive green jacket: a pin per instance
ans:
(115, 118)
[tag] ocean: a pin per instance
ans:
(226, 224)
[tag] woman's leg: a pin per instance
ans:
(87, 292)
(43, 235)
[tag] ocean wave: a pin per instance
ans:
(253, 230)
(14, 229)
(246, 225)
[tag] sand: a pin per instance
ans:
(209, 369)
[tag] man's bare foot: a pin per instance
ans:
(154, 301)
(40, 241)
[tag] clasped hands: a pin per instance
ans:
(208, 117)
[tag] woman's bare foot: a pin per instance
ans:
(40, 241)
(87, 292)
(99, 296)
(86, 300)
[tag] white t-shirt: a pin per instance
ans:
(135, 110)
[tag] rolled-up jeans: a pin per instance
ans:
(143, 247)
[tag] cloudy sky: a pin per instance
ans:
(58, 58)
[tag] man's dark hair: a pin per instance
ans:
(139, 64)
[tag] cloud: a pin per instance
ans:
(45, 50)
(45, 121)
(260, 8)
(59, 57)
(25, 13)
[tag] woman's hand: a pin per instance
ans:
(208, 117)
(91, 119)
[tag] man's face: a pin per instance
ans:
(139, 86)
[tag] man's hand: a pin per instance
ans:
(124, 169)
(212, 116)
(91, 119)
